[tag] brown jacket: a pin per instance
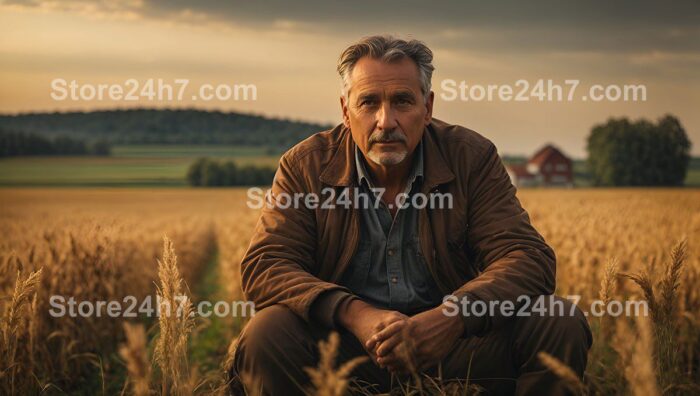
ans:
(483, 248)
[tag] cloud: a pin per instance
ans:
(512, 25)
(482, 42)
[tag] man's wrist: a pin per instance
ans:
(348, 312)
(324, 309)
(452, 321)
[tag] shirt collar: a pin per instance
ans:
(416, 170)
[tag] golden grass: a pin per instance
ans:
(636, 350)
(18, 335)
(572, 381)
(91, 245)
(102, 244)
(327, 380)
(176, 322)
(135, 354)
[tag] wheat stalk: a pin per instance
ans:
(326, 380)
(13, 326)
(607, 285)
(571, 380)
(637, 353)
(135, 353)
(643, 280)
(671, 281)
(176, 322)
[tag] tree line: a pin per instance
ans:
(166, 126)
(13, 144)
(205, 172)
(640, 153)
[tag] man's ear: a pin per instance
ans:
(344, 108)
(429, 108)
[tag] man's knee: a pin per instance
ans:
(269, 327)
(571, 321)
(559, 318)
(274, 347)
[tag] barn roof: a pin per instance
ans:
(543, 154)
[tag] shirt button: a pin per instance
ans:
(394, 279)
(390, 252)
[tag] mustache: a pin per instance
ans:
(386, 137)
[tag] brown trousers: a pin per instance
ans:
(276, 345)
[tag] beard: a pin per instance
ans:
(387, 158)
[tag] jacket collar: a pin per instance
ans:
(416, 172)
(341, 170)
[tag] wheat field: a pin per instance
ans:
(106, 244)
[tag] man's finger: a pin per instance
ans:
(386, 321)
(387, 332)
(389, 360)
(370, 345)
(378, 327)
(388, 345)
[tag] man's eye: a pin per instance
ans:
(367, 102)
(403, 101)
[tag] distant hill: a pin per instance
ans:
(164, 126)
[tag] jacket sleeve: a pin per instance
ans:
(279, 264)
(512, 257)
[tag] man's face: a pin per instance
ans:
(385, 109)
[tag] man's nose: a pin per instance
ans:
(386, 117)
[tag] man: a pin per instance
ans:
(377, 270)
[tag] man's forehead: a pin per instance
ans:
(368, 74)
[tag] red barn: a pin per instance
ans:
(547, 167)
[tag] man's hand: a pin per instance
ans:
(364, 321)
(417, 343)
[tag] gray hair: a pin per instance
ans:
(387, 49)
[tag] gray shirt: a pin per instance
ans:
(388, 269)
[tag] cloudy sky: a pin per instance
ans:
(288, 50)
